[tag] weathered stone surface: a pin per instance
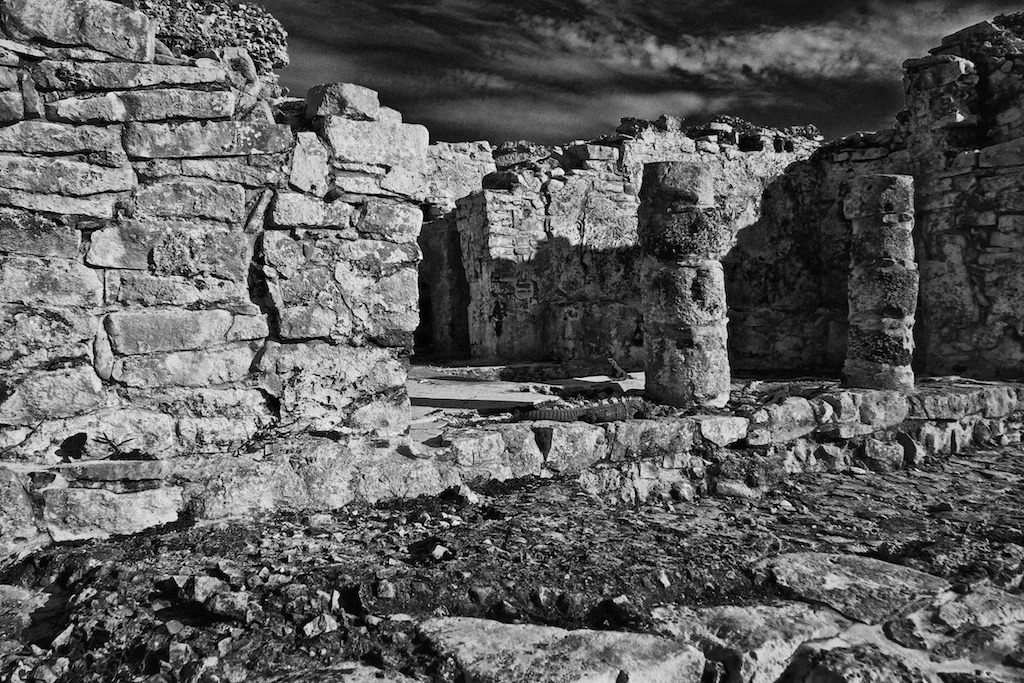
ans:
(209, 367)
(350, 672)
(72, 514)
(754, 643)
(689, 368)
(487, 650)
(310, 164)
(570, 447)
(292, 209)
(18, 529)
(856, 663)
(862, 589)
(722, 430)
(670, 440)
(342, 99)
(204, 139)
(192, 199)
(78, 76)
(105, 26)
(781, 422)
(478, 454)
(110, 432)
(150, 332)
(171, 248)
(116, 470)
(390, 220)
(251, 172)
(858, 412)
(320, 384)
(143, 105)
(32, 336)
(93, 206)
(45, 395)
(48, 282)
(32, 234)
(371, 142)
(522, 453)
(43, 137)
(61, 176)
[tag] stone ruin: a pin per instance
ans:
(210, 292)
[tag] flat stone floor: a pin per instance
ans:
(440, 395)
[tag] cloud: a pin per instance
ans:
(552, 70)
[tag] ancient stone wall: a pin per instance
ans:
(549, 248)
(181, 275)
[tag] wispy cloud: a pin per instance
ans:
(553, 70)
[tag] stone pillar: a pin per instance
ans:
(683, 237)
(883, 283)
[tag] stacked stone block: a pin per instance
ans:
(883, 285)
(683, 238)
(181, 276)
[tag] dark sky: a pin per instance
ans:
(556, 70)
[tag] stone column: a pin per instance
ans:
(883, 283)
(683, 237)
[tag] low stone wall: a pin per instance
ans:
(751, 448)
(186, 271)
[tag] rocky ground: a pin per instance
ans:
(909, 576)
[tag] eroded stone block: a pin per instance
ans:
(133, 333)
(192, 199)
(73, 514)
(342, 99)
(45, 395)
(105, 26)
(204, 139)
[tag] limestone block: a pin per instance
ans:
(105, 26)
(310, 164)
(942, 74)
(171, 248)
(194, 139)
(390, 220)
(18, 529)
(73, 514)
(35, 336)
(859, 411)
(110, 432)
(205, 368)
(93, 206)
(570, 447)
(294, 209)
(884, 342)
(882, 456)
(134, 288)
(682, 295)
(56, 393)
(143, 105)
(722, 430)
(488, 650)
(522, 454)
(692, 365)
(48, 282)
(371, 142)
(32, 234)
(192, 199)
(478, 454)
(664, 439)
(253, 172)
(889, 291)
(865, 590)
(12, 106)
(673, 185)
(133, 332)
(699, 233)
(77, 76)
(116, 470)
(44, 137)
(342, 99)
(754, 643)
(782, 422)
(61, 176)
(319, 384)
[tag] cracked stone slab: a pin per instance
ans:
(754, 643)
(488, 651)
(863, 589)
